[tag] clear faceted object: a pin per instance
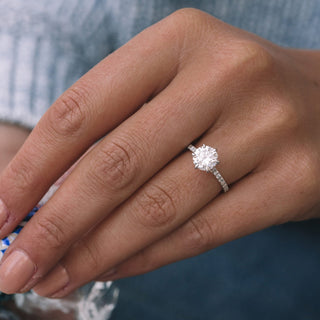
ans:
(205, 158)
(94, 301)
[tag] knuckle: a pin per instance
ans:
(282, 117)
(188, 16)
(246, 59)
(52, 230)
(250, 58)
(188, 23)
(277, 116)
(68, 115)
(22, 176)
(116, 165)
(198, 234)
(155, 207)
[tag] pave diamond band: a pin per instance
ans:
(205, 158)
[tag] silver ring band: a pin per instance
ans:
(205, 158)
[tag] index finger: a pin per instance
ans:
(93, 106)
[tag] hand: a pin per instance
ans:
(135, 202)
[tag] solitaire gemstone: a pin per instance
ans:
(205, 158)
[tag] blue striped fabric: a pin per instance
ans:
(5, 243)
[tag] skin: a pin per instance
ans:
(134, 202)
(11, 140)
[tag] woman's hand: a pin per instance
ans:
(135, 202)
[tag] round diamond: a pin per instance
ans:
(205, 158)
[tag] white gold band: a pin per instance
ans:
(219, 177)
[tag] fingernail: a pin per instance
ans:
(15, 272)
(59, 295)
(30, 284)
(55, 281)
(4, 213)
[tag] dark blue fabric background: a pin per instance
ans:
(273, 274)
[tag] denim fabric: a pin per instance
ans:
(47, 45)
(272, 274)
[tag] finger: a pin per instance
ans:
(110, 173)
(121, 162)
(162, 205)
(255, 203)
(95, 104)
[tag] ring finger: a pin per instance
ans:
(158, 208)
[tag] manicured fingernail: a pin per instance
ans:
(56, 280)
(29, 285)
(4, 213)
(59, 295)
(16, 271)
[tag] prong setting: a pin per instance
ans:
(205, 158)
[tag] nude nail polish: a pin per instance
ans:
(55, 281)
(16, 271)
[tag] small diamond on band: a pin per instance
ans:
(205, 158)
